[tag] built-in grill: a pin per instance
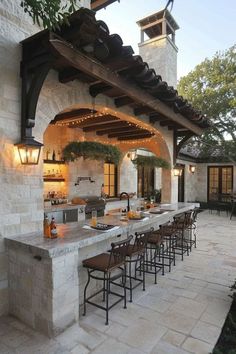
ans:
(94, 203)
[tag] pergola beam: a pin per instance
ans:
(88, 65)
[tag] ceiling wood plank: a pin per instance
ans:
(116, 130)
(76, 113)
(96, 127)
(76, 59)
(141, 136)
(129, 133)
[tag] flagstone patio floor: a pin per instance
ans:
(183, 313)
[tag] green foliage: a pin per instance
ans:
(226, 343)
(51, 13)
(91, 150)
(150, 161)
(211, 88)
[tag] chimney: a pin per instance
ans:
(157, 46)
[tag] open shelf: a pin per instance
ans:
(58, 162)
(51, 179)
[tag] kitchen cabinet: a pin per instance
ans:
(66, 215)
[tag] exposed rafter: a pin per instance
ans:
(79, 61)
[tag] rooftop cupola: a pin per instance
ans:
(157, 45)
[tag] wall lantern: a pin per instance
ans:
(178, 171)
(132, 155)
(29, 151)
(192, 168)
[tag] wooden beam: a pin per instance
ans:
(76, 113)
(129, 133)
(152, 24)
(143, 110)
(165, 123)
(97, 120)
(100, 87)
(181, 133)
(116, 130)
(96, 127)
(71, 74)
(100, 4)
(142, 136)
(157, 117)
(123, 101)
(76, 59)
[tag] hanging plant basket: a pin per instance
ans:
(151, 161)
(91, 150)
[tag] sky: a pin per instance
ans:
(206, 26)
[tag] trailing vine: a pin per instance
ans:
(91, 150)
(51, 13)
(151, 161)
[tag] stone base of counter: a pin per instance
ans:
(46, 277)
(44, 293)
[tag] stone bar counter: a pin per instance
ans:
(46, 277)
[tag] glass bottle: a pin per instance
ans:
(46, 227)
(53, 228)
(94, 218)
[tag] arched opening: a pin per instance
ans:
(56, 102)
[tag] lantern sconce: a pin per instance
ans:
(132, 154)
(29, 151)
(192, 169)
(178, 171)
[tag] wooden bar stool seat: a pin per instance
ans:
(107, 267)
(135, 257)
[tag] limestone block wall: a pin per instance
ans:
(161, 54)
(190, 181)
(19, 191)
(128, 176)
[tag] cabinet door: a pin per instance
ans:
(70, 215)
(58, 216)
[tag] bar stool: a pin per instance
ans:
(154, 255)
(109, 266)
(191, 226)
(181, 244)
(168, 232)
(136, 255)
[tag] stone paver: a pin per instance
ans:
(182, 314)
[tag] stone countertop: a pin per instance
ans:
(73, 236)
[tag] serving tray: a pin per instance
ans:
(103, 227)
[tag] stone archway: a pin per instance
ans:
(56, 98)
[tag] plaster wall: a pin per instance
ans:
(161, 54)
(21, 187)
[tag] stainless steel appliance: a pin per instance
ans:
(94, 203)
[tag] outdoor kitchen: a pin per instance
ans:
(108, 131)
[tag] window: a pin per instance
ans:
(220, 182)
(145, 181)
(110, 179)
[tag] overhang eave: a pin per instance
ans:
(68, 55)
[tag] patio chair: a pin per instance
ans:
(107, 267)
